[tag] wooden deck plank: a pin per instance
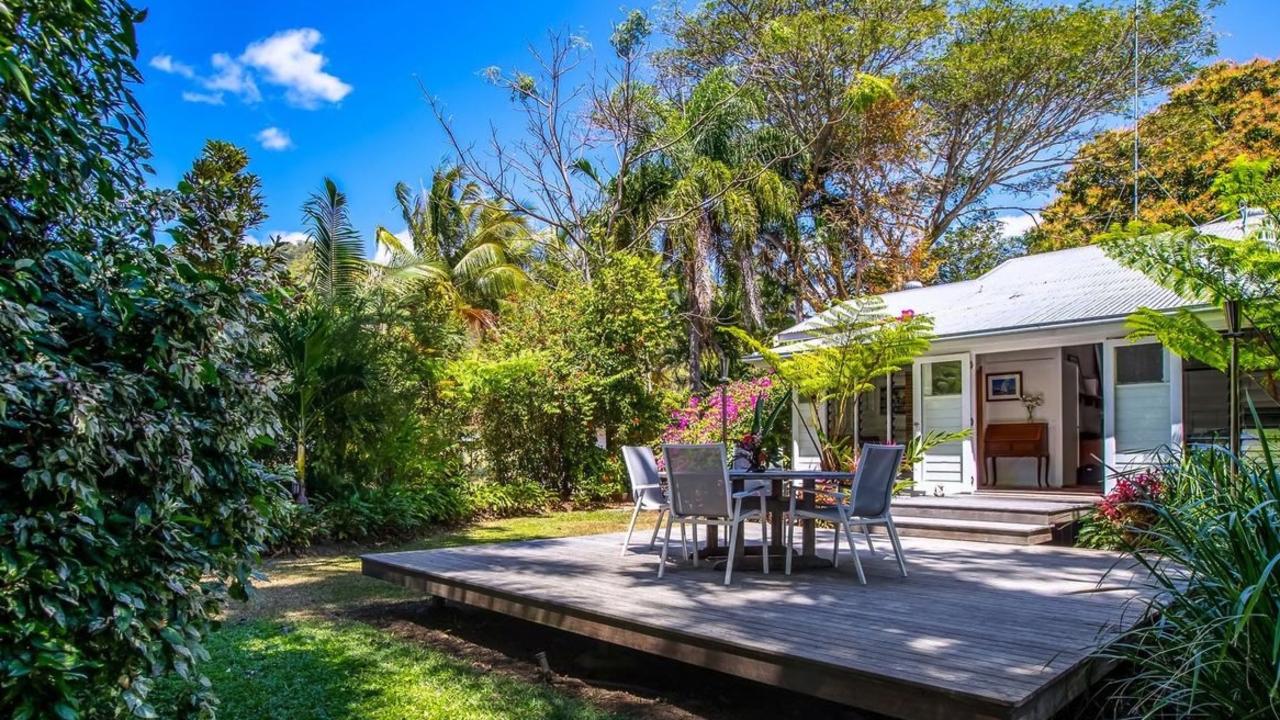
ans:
(976, 630)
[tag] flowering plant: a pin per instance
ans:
(1031, 401)
(698, 420)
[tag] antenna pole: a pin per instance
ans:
(1135, 109)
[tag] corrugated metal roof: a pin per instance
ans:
(1073, 286)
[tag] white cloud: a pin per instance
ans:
(292, 237)
(231, 77)
(273, 138)
(166, 63)
(287, 59)
(382, 253)
(205, 98)
(1012, 226)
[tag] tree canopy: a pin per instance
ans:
(1227, 111)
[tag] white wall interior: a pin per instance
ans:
(1042, 371)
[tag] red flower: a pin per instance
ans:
(907, 315)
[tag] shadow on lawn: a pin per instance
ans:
(615, 679)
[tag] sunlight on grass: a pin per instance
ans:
(329, 581)
(339, 670)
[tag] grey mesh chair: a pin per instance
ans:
(701, 494)
(867, 504)
(647, 490)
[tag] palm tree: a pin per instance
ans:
(724, 195)
(313, 336)
(460, 242)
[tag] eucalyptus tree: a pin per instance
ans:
(473, 248)
(991, 96)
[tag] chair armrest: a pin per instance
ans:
(754, 492)
(646, 487)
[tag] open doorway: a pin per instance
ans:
(1054, 445)
(1082, 379)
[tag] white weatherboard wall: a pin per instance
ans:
(1041, 372)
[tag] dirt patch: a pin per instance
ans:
(616, 679)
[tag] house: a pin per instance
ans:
(1052, 323)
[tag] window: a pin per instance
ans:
(943, 378)
(1136, 364)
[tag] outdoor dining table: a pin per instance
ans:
(778, 502)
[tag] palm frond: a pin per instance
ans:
(338, 265)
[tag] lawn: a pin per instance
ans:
(302, 648)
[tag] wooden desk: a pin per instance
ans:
(1017, 440)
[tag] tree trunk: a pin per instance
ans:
(752, 305)
(700, 289)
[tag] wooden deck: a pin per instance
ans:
(976, 631)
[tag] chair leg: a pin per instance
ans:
(695, 544)
(835, 550)
(853, 550)
(656, 527)
(897, 546)
(666, 541)
(791, 543)
(631, 528)
(866, 532)
(733, 550)
(764, 536)
(684, 543)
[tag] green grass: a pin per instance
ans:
(333, 670)
(291, 653)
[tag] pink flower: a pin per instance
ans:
(906, 315)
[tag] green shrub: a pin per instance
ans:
(1212, 547)
(569, 364)
(508, 499)
(135, 403)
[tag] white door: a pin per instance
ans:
(805, 451)
(942, 402)
(1141, 404)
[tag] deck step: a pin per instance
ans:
(973, 530)
(999, 510)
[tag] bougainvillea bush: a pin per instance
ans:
(698, 419)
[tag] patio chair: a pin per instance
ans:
(701, 494)
(866, 504)
(647, 490)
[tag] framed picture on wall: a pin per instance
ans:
(1004, 386)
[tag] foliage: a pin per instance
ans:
(976, 246)
(847, 348)
(1124, 514)
(987, 96)
(136, 405)
(364, 356)
(1215, 270)
(1228, 110)
(1209, 649)
(461, 243)
(567, 363)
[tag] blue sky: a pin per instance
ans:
(333, 89)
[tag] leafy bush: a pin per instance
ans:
(568, 363)
(1212, 548)
(508, 499)
(1124, 513)
(135, 406)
